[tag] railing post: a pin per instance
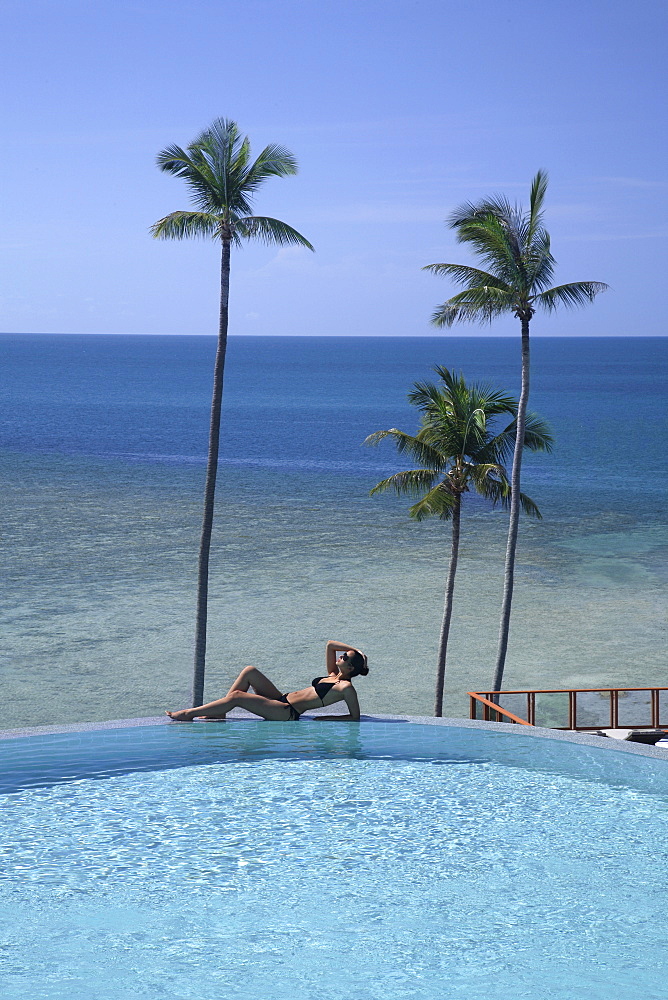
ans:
(655, 708)
(531, 707)
(572, 709)
(614, 708)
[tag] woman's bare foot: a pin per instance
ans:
(185, 715)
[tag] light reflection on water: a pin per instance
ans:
(472, 861)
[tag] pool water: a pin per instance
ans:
(330, 861)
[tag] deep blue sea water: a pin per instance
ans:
(103, 444)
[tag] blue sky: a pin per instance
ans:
(397, 112)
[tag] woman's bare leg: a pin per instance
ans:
(213, 710)
(266, 708)
(252, 677)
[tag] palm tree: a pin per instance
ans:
(460, 452)
(514, 245)
(222, 180)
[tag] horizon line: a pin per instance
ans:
(357, 336)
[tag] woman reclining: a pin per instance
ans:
(268, 702)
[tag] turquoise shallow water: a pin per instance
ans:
(333, 861)
(102, 443)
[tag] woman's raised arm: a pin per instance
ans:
(331, 649)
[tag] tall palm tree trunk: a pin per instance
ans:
(210, 484)
(509, 576)
(447, 609)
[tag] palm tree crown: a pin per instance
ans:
(457, 447)
(222, 180)
(515, 246)
(458, 450)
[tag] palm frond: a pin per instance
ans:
(483, 472)
(491, 481)
(273, 161)
(224, 136)
(577, 293)
(494, 241)
(271, 231)
(447, 403)
(195, 168)
(497, 205)
(538, 436)
(468, 276)
(223, 160)
(538, 261)
(412, 482)
(411, 445)
(493, 402)
(475, 305)
(447, 438)
(536, 201)
(500, 447)
(174, 160)
(476, 394)
(479, 418)
(484, 469)
(186, 225)
(223, 148)
(438, 502)
(454, 383)
(508, 217)
(529, 507)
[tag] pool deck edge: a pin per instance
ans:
(529, 732)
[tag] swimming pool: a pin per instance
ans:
(333, 861)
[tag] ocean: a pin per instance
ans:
(102, 451)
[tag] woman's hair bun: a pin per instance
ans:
(360, 665)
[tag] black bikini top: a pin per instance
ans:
(322, 687)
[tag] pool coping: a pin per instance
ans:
(238, 715)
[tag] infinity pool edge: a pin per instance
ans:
(528, 732)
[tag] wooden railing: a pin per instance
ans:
(492, 710)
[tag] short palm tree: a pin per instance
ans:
(459, 451)
(222, 180)
(515, 247)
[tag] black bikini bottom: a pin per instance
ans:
(294, 714)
